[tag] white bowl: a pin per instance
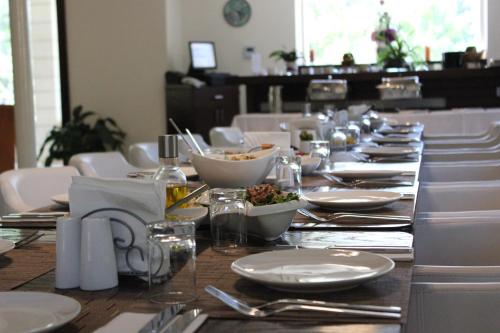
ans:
(271, 221)
(196, 214)
(217, 172)
(309, 164)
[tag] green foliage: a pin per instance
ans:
(284, 55)
(305, 136)
(77, 136)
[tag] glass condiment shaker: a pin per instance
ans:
(353, 133)
(366, 124)
(338, 140)
(169, 171)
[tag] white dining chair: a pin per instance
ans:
(454, 274)
(226, 137)
(459, 156)
(454, 307)
(27, 189)
(450, 141)
(279, 139)
(106, 164)
(457, 241)
(459, 173)
(144, 155)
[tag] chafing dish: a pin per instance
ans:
(321, 90)
(400, 87)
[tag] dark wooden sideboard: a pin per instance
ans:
(7, 143)
(458, 87)
(200, 109)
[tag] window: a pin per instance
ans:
(334, 27)
(6, 79)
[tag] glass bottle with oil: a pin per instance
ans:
(169, 170)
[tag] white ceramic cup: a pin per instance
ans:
(68, 236)
(98, 269)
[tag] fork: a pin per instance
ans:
(259, 311)
(342, 215)
(359, 182)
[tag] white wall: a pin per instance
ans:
(117, 60)
(271, 27)
(494, 29)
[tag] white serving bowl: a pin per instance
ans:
(218, 172)
(199, 215)
(271, 221)
(309, 164)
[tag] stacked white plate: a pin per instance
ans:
(352, 200)
(5, 246)
(387, 151)
(366, 174)
(312, 270)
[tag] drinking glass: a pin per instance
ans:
(321, 149)
(353, 133)
(288, 172)
(172, 262)
(227, 220)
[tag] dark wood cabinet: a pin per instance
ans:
(200, 109)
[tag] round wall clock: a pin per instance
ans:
(237, 12)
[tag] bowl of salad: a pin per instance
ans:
(270, 211)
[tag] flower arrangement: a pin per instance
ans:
(392, 50)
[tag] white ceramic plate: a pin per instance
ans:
(394, 140)
(387, 151)
(312, 270)
(35, 311)
(61, 199)
(5, 246)
(352, 199)
(366, 174)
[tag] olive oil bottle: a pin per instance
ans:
(169, 170)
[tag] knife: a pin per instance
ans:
(196, 193)
(191, 319)
(161, 319)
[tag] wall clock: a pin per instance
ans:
(237, 12)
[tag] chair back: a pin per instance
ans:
(144, 155)
(226, 137)
(31, 188)
(105, 164)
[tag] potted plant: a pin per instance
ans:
(290, 58)
(305, 141)
(77, 136)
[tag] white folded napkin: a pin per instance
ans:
(129, 322)
(144, 198)
(279, 139)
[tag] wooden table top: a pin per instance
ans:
(98, 308)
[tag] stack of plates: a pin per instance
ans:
(353, 200)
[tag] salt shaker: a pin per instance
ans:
(68, 235)
(98, 262)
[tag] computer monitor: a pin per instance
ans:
(202, 55)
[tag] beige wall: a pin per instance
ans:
(494, 29)
(271, 27)
(117, 60)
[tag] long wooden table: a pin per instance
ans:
(98, 308)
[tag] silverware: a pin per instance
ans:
(181, 322)
(343, 215)
(161, 319)
(197, 146)
(182, 136)
(382, 182)
(188, 197)
(17, 216)
(28, 239)
(245, 309)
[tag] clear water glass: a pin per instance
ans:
(288, 172)
(353, 133)
(172, 262)
(228, 220)
(321, 149)
(338, 140)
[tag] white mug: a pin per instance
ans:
(98, 269)
(68, 236)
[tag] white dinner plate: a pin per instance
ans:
(5, 246)
(35, 311)
(312, 270)
(365, 174)
(387, 151)
(61, 199)
(352, 199)
(388, 139)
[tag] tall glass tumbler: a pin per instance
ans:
(288, 172)
(227, 220)
(172, 262)
(321, 149)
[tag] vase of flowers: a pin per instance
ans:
(290, 59)
(392, 50)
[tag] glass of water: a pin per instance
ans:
(288, 172)
(228, 220)
(172, 262)
(321, 149)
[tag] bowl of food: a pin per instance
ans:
(197, 214)
(270, 211)
(234, 170)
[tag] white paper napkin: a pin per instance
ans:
(144, 198)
